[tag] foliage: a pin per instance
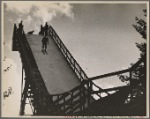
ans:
(7, 93)
(141, 28)
(138, 80)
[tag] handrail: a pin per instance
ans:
(31, 67)
(109, 74)
(68, 56)
(86, 83)
(31, 71)
(118, 72)
(35, 65)
(78, 70)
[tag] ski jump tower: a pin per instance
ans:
(55, 84)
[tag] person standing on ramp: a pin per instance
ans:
(46, 29)
(21, 27)
(45, 42)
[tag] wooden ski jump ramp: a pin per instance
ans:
(56, 73)
(55, 84)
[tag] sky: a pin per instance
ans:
(99, 36)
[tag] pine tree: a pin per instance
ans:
(138, 89)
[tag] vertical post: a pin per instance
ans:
(89, 92)
(80, 98)
(90, 89)
(71, 100)
(23, 100)
(74, 64)
(64, 105)
(84, 101)
(60, 45)
(22, 82)
(54, 36)
(67, 55)
(131, 84)
(130, 77)
(50, 30)
(80, 75)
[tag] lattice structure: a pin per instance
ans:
(69, 103)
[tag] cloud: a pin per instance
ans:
(34, 14)
(45, 11)
(23, 8)
(29, 19)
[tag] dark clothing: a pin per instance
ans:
(20, 27)
(44, 43)
(45, 40)
(42, 30)
(44, 47)
(46, 29)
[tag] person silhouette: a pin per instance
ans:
(45, 42)
(21, 27)
(46, 29)
(42, 30)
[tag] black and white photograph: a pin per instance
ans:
(74, 59)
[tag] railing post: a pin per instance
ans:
(64, 105)
(84, 101)
(71, 99)
(130, 77)
(24, 96)
(67, 54)
(73, 64)
(22, 82)
(131, 84)
(80, 75)
(89, 92)
(60, 45)
(80, 98)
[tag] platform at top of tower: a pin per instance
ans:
(56, 73)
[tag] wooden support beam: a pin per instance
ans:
(109, 74)
(80, 91)
(84, 101)
(22, 82)
(24, 97)
(14, 40)
(64, 105)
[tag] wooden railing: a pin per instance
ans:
(130, 72)
(89, 85)
(70, 102)
(68, 56)
(80, 98)
(32, 73)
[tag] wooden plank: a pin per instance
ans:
(75, 108)
(61, 98)
(109, 74)
(72, 106)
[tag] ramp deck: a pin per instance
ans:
(53, 88)
(56, 73)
